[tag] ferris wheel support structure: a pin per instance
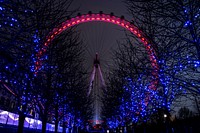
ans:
(96, 69)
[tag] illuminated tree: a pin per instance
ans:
(15, 45)
(173, 27)
(129, 82)
(112, 101)
(63, 85)
(23, 27)
(176, 56)
(176, 43)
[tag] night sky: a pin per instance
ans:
(101, 38)
(98, 36)
(107, 6)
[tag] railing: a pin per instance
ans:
(9, 118)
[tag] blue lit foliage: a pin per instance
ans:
(136, 97)
(37, 45)
(134, 107)
(9, 27)
(36, 42)
(19, 83)
(20, 37)
(113, 122)
(179, 74)
(63, 79)
(15, 56)
(7, 17)
(173, 26)
(191, 21)
(179, 60)
(7, 24)
(16, 83)
(187, 14)
(15, 34)
(134, 74)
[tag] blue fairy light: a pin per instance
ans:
(196, 16)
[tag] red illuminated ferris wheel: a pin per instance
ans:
(105, 18)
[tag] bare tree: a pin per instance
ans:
(24, 27)
(165, 27)
(173, 28)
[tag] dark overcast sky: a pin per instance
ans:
(97, 36)
(107, 6)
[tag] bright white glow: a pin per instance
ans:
(165, 115)
(15, 117)
(29, 120)
(12, 119)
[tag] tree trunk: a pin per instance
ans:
(64, 122)
(56, 118)
(197, 104)
(56, 126)
(44, 122)
(21, 123)
(64, 127)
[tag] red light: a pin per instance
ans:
(102, 17)
(44, 50)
